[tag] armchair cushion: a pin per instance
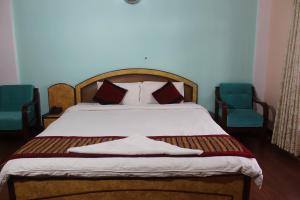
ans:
(12, 97)
(10, 120)
(244, 118)
(236, 95)
(13, 120)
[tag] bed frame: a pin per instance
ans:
(86, 90)
(229, 187)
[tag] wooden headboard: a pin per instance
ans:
(86, 90)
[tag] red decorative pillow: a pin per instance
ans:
(167, 94)
(109, 93)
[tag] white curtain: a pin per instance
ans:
(287, 122)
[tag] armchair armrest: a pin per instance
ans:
(28, 104)
(224, 107)
(265, 107)
(25, 111)
(25, 114)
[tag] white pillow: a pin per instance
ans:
(148, 87)
(132, 96)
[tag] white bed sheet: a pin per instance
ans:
(91, 119)
(125, 120)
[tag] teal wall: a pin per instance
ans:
(207, 41)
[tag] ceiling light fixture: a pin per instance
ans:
(132, 1)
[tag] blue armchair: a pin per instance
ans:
(19, 109)
(234, 108)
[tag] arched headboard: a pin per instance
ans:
(86, 90)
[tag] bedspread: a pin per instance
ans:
(94, 120)
(212, 145)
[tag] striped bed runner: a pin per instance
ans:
(56, 146)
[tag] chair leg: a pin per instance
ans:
(26, 134)
(267, 133)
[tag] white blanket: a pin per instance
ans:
(134, 145)
(125, 120)
(122, 120)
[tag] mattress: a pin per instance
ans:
(93, 120)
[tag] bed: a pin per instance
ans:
(216, 177)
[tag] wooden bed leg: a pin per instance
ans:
(246, 190)
(11, 189)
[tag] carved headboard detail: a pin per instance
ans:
(86, 90)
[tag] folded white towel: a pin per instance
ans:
(134, 145)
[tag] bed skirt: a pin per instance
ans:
(229, 187)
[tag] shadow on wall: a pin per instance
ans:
(272, 114)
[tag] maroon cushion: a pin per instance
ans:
(167, 94)
(109, 93)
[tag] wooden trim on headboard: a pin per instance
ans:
(137, 71)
